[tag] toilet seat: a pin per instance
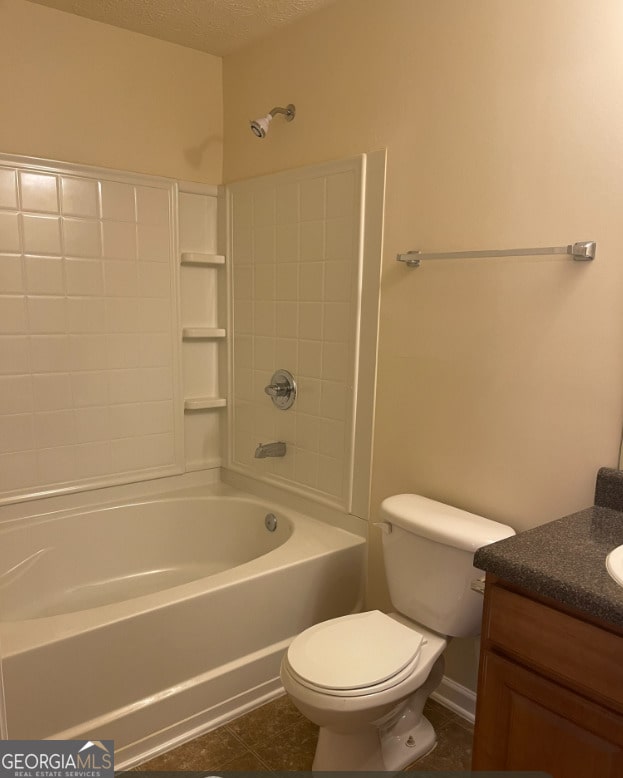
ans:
(360, 654)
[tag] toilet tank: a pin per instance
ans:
(429, 550)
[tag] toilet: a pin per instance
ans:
(364, 678)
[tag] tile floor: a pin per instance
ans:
(277, 737)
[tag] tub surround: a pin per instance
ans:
(304, 252)
(565, 559)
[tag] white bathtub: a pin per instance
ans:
(150, 621)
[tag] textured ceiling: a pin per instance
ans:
(215, 26)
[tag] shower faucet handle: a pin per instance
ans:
(282, 389)
(277, 390)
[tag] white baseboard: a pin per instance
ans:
(459, 699)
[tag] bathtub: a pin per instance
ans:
(151, 621)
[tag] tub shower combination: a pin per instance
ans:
(149, 621)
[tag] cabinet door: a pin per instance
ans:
(526, 722)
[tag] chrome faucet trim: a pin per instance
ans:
(282, 389)
(277, 449)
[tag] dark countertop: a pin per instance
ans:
(566, 559)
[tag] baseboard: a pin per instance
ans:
(459, 699)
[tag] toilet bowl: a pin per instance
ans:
(364, 678)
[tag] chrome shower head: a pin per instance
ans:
(259, 127)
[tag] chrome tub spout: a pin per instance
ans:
(270, 450)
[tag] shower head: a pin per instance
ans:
(259, 127)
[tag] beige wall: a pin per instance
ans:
(81, 91)
(500, 382)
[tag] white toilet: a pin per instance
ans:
(364, 678)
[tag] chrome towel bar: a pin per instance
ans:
(582, 251)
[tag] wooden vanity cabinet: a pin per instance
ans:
(550, 688)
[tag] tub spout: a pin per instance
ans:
(270, 450)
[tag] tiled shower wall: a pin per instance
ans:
(295, 256)
(87, 320)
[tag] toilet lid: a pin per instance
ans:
(353, 652)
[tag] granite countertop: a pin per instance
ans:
(566, 559)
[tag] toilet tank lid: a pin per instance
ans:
(442, 523)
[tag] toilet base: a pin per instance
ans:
(389, 744)
(372, 749)
(400, 750)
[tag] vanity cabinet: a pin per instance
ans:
(550, 688)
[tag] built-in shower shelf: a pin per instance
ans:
(197, 258)
(204, 403)
(203, 333)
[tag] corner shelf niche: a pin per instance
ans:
(203, 333)
(197, 258)
(204, 403)
(196, 333)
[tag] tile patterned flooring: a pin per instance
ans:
(276, 737)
